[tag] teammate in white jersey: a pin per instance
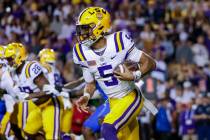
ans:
(11, 96)
(47, 58)
(29, 77)
(99, 53)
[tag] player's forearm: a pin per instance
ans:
(36, 95)
(147, 64)
(74, 84)
(90, 88)
(76, 94)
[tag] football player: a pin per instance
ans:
(10, 99)
(99, 52)
(29, 77)
(47, 58)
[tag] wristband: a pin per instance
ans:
(137, 75)
(87, 95)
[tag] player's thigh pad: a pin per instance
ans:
(24, 109)
(34, 122)
(124, 110)
(5, 124)
(51, 119)
(66, 120)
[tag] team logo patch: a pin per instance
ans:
(91, 63)
(99, 16)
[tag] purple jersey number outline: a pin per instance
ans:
(102, 73)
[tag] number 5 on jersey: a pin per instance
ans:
(106, 72)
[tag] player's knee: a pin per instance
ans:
(108, 129)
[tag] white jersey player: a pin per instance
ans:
(99, 53)
(29, 77)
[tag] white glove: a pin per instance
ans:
(22, 96)
(50, 89)
(66, 90)
(66, 103)
(64, 94)
(9, 102)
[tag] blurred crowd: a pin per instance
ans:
(175, 32)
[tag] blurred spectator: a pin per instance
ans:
(188, 94)
(56, 24)
(184, 52)
(202, 118)
(200, 53)
(145, 124)
(163, 120)
(176, 94)
(187, 123)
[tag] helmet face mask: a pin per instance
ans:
(84, 32)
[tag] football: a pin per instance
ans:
(132, 66)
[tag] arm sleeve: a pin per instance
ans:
(88, 77)
(132, 53)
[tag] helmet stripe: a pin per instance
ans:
(27, 72)
(82, 14)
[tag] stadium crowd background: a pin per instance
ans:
(175, 32)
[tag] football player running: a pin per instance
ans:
(29, 77)
(99, 52)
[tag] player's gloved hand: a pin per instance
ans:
(66, 89)
(64, 94)
(81, 104)
(50, 89)
(9, 102)
(126, 76)
(22, 96)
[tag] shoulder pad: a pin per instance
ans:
(33, 69)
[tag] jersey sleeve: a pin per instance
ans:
(75, 58)
(88, 77)
(6, 82)
(33, 69)
(132, 53)
(78, 56)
